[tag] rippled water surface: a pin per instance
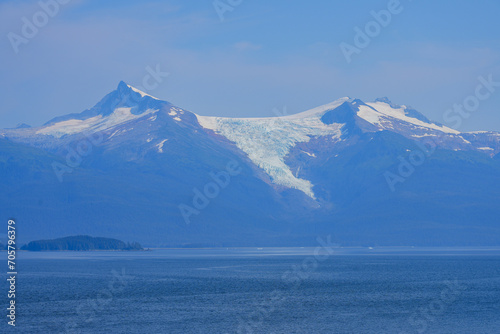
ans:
(278, 290)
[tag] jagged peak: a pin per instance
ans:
(124, 95)
(126, 89)
(384, 99)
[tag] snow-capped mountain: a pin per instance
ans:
(133, 156)
(268, 141)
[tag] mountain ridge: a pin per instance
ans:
(129, 162)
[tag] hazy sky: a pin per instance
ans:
(263, 55)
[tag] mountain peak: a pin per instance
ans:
(23, 126)
(124, 96)
(383, 99)
(125, 89)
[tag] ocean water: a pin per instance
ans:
(278, 290)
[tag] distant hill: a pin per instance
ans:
(80, 243)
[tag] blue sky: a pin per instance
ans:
(264, 55)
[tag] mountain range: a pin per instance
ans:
(134, 167)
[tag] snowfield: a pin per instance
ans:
(92, 124)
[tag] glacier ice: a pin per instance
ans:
(267, 141)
